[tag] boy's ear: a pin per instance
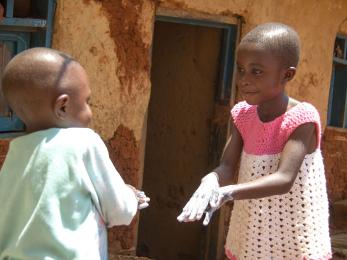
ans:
(60, 106)
(289, 74)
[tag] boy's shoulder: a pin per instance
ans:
(61, 137)
(82, 136)
(81, 132)
(77, 140)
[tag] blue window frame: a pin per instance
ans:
(18, 34)
(11, 44)
(337, 109)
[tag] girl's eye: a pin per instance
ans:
(240, 70)
(257, 71)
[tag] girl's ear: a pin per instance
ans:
(289, 74)
(60, 106)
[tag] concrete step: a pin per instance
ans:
(339, 245)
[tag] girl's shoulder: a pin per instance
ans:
(242, 109)
(243, 115)
(302, 112)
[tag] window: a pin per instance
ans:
(337, 111)
(18, 32)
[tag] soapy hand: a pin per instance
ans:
(143, 200)
(200, 200)
(218, 198)
(221, 195)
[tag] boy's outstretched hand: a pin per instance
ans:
(199, 202)
(143, 200)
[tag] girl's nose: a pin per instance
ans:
(243, 81)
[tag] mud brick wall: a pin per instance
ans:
(334, 146)
(4, 144)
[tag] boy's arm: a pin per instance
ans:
(301, 142)
(115, 200)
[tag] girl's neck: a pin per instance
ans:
(273, 108)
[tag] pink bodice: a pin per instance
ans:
(270, 137)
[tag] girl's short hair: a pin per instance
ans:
(280, 39)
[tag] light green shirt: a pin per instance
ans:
(57, 189)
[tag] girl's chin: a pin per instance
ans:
(251, 101)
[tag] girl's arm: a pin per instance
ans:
(301, 142)
(230, 157)
(197, 204)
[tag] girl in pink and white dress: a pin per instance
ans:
(280, 201)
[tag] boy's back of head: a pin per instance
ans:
(32, 82)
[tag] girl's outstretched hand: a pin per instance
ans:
(200, 200)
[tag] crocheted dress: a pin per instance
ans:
(290, 226)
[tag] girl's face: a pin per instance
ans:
(259, 74)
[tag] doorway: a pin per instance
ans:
(192, 64)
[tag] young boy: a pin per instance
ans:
(58, 188)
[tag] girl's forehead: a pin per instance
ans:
(252, 49)
(255, 53)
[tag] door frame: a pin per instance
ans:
(226, 88)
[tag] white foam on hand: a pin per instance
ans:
(143, 199)
(218, 198)
(198, 203)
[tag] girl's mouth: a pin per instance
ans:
(249, 92)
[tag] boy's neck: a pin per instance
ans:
(273, 108)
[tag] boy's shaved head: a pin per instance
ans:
(33, 80)
(35, 69)
(33, 75)
(277, 38)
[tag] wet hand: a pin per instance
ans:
(221, 195)
(218, 198)
(143, 200)
(200, 200)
